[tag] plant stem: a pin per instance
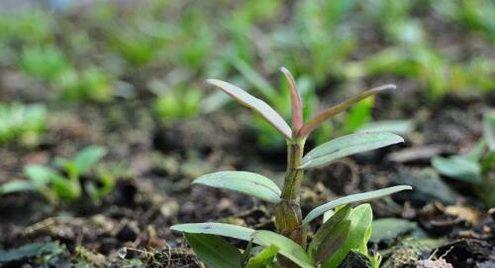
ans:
(288, 215)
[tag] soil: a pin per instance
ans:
(131, 226)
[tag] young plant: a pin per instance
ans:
(348, 229)
(268, 137)
(23, 123)
(90, 84)
(64, 185)
(476, 167)
(178, 103)
(46, 63)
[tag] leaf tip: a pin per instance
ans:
(212, 81)
(387, 87)
(284, 70)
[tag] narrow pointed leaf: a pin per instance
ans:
(39, 175)
(216, 228)
(458, 167)
(256, 104)
(214, 250)
(331, 235)
(353, 198)
(348, 145)
(15, 186)
(287, 247)
(88, 157)
(357, 239)
(245, 182)
(334, 110)
(296, 102)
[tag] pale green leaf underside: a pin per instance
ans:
(245, 182)
(214, 250)
(256, 104)
(458, 167)
(15, 186)
(287, 247)
(348, 145)
(39, 175)
(354, 198)
(216, 228)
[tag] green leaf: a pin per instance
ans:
(31, 250)
(287, 247)
(66, 189)
(317, 120)
(353, 198)
(348, 145)
(88, 157)
(297, 119)
(15, 186)
(329, 238)
(400, 127)
(358, 115)
(391, 228)
(458, 167)
(359, 234)
(39, 175)
(216, 228)
(245, 182)
(264, 259)
(256, 104)
(214, 250)
(489, 129)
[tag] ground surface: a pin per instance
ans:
(446, 222)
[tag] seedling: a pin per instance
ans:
(476, 167)
(23, 123)
(268, 137)
(43, 62)
(348, 229)
(65, 185)
(178, 103)
(90, 84)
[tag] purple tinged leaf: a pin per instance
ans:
(297, 120)
(317, 120)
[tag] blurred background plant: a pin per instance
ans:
(65, 182)
(22, 123)
(102, 51)
(129, 75)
